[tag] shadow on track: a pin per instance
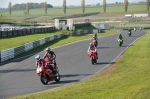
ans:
(64, 82)
(74, 75)
(106, 63)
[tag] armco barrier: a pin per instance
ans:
(26, 31)
(18, 50)
(83, 32)
(12, 52)
(7, 54)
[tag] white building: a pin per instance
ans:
(128, 16)
(141, 15)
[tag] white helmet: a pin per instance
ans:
(48, 49)
(37, 57)
(91, 44)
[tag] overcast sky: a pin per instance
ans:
(4, 3)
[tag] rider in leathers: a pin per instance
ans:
(92, 48)
(42, 62)
(51, 55)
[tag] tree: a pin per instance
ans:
(9, 8)
(98, 4)
(116, 2)
(147, 4)
(104, 5)
(45, 6)
(83, 5)
(64, 6)
(27, 8)
(126, 5)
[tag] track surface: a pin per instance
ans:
(19, 77)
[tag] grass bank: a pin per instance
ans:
(129, 79)
(10, 42)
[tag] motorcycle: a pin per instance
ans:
(94, 41)
(120, 41)
(134, 30)
(129, 33)
(93, 57)
(47, 77)
(48, 61)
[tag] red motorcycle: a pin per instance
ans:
(47, 77)
(94, 41)
(93, 57)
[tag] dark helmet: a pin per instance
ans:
(48, 49)
(95, 34)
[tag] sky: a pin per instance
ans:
(4, 3)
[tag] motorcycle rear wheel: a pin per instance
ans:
(57, 78)
(92, 60)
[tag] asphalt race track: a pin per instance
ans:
(19, 76)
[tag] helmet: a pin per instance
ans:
(95, 35)
(48, 49)
(37, 57)
(91, 44)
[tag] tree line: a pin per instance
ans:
(27, 6)
(126, 3)
(30, 5)
(44, 5)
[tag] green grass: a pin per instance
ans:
(129, 80)
(38, 14)
(10, 42)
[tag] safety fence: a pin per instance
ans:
(84, 32)
(13, 52)
(26, 31)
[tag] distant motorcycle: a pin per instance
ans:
(45, 78)
(93, 57)
(94, 41)
(129, 33)
(135, 29)
(120, 41)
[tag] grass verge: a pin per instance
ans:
(10, 42)
(129, 79)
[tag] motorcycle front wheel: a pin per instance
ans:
(43, 79)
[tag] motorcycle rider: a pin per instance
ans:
(95, 38)
(140, 28)
(134, 28)
(120, 37)
(42, 62)
(92, 48)
(129, 30)
(51, 55)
